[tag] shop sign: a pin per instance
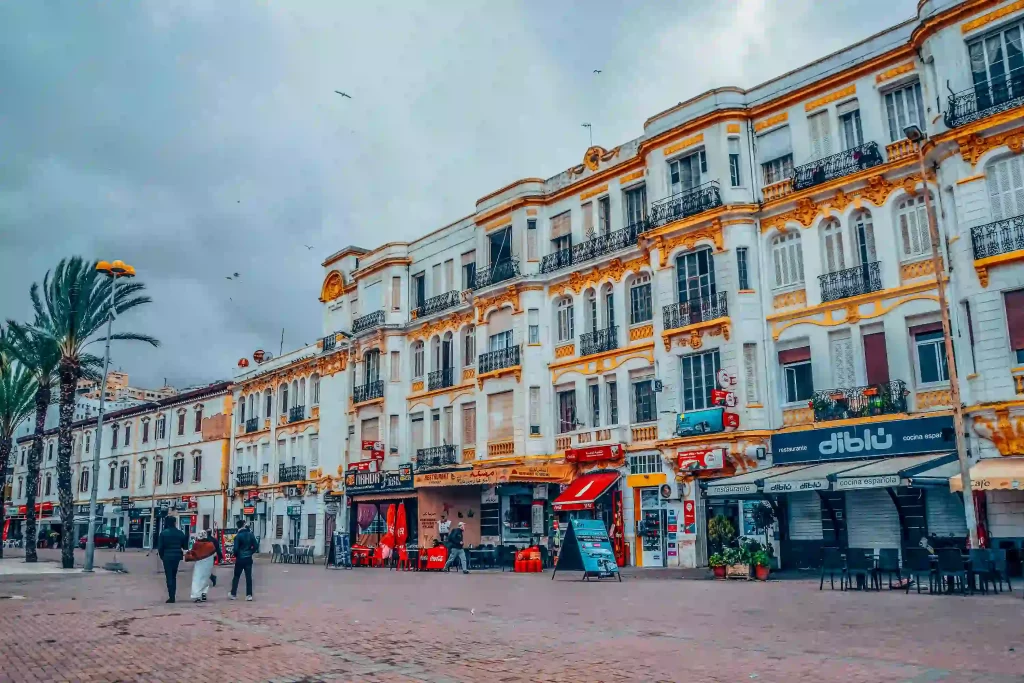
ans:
(795, 486)
(710, 459)
(489, 496)
(540, 492)
(294, 510)
(876, 439)
(377, 454)
(496, 475)
(184, 499)
(595, 453)
(252, 495)
(537, 519)
(373, 446)
(720, 397)
(135, 526)
(884, 481)
(379, 482)
(126, 502)
(689, 517)
(364, 466)
(249, 510)
(696, 422)
(732, 489)
(12, 510)
(165, 503)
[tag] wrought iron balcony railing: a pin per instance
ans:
(436, 457)
(595, 247)
(368, 391)
(436, 304)
(439, 379)
(286, 473)
(1000, 237)
(496, 272)
(602, 340)
(252, 425)
(837, 165)
(497, 360)
(329, 342)
(875, 399)
(695, 311)
(683, 204)
(297, 413)
(985, 99)
(247, 479)
(370, 321)
(843, 284)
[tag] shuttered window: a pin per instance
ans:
(875, 358)
(821, 135)
(788, 259)
(416, 430)
(468, 424)
(534, 411)
(499, 416)
(1015, 322)
(750, 373)
(1005, 180)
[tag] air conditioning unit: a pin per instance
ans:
(292, 491)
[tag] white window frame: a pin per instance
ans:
(565, 320)
(417, 360)
(936, 345)
(788, 260)
(898, 109)
(636, 299)
(789, 369)
(912, 227)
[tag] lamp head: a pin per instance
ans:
(914, 133)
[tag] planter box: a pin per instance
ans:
(738, 571)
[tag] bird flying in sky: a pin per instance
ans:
(343, 94)
(597, 71)
(308, 247)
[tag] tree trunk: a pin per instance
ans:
(68, 384)
(5, 454)
(35, 457)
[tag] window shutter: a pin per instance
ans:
(396, 367)
(795, 355)
(875, 358)
(750, 371)
(499, 415)
(775, 144)
(417, 431)
(927, 327)
(1015, 317)
(535, 406)
(588, 218)
(561, 225)
(468, 424)
(396, 293)
(371, 429)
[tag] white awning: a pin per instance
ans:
(813, 478)
(748, 482)
(889, 471)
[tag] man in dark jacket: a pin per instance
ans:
(171, 545)
(245, 547)
(455, 551)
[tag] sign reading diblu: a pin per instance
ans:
(870, 440)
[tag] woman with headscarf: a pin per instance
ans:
(202, 553)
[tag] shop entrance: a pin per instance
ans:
(651, 528)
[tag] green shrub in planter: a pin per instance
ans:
(716, 560)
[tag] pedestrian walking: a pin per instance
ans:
(455, 551)
(170, 545)
(122, 541)
(245, 547)
(212, 535)
(202, 553)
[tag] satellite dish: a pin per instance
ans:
(267, 356)
(258, 355)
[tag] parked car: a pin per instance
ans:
(104, 539)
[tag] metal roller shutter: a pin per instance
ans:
(871, 519)
(945, 513)
(804, 516)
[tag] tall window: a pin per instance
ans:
(49, 484)
(604, 218)
(832, 245)
(128, 434)
(468, 424)
(417, 360)
(734, 162)
(561, 232)
(500, 341)
(1005, 181)
(468, 269)
(565, 319)
(533, 325)
(283, 398)
(83, 481)
(314, 383)
(123, 479)
(594, 395)
(566, 411)
(997, 67)
(931, 357)
(788, 259)
(695, 272)
(419, 289)
(850, 130)
(197, 467)
(741, 268)
(268, 404)
(531, 240)
(181, 423)
(775, 150)
(821, 135)
(198, 425)
(161, 427)
(685, 173)
(640, 309)
(912, 224)
(1014, 302)
(158, 472)
(699, 379)
(310, 526)
(635, 202)
(796, 374)
(145, 432)
(49, 452)
(588, 220)
(613, 402)
(591, 310)
(114, 430)
(113, 476)
(142, 473)
(178, 473)
(279, 526)
(469, 346)
(904, 107)
(534, 411)
(864, 237)
(371, 362)
(21, 486)
(88, 442)
(645, 405)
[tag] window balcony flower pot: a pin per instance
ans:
(871, 391)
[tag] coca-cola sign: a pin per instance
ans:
(594, 453)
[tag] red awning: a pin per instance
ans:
(582, 493)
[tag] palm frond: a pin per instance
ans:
(131, 336)
(17, 398)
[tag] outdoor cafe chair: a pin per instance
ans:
(918, 563)
(860, 562)
(1000, 568)
(275, 554)
(982, 569)
(952, 566)
(889, 564)
(832, 562)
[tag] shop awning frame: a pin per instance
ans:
(994, 474)
(888, 472)
(748, 483)
(584, 491)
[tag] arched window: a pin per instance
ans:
(113, 476)
(83, 480)
(912, 224)
(371, 365)
(268, 401)
(49, 484)
(469, 346)
(834, 258)
(302, 398)
(241, 410)
(565, 322)
(127, 433)
(21, 486)
(143, 463)
(197, 466)
(864, 237)
(123, 479)
(284, 398)
(296, 397)
(178, 468)
(788, 259)
(113, 432)
(417, 360)
(590, 311)
(49, 452)
(608, 297)
(314, 387)
(198, 426)
(158, 471)
(435, 354)
(640, 308)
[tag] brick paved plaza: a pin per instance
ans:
(310, 624)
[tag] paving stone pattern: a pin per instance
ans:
(312, 624)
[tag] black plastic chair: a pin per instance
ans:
(889, 564)
(860, 562)
(952, 567)
(832, 562)
(917, 563)
(1000, 568)
(981, 569)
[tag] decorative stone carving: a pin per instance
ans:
(333, 287)
(1006, 433)
(973, 146)
(448, 323)
(787, 299)
(509, 296)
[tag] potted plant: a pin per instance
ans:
(721, 532)
(762, 565)
(736, 562)
(717, 563)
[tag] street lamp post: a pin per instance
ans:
(917, 136)
(115, 270)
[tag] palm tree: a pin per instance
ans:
(17, 399)
(72, 308)
(39, 356)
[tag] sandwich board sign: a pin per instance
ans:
(587, 549)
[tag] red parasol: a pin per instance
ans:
(401, 530)
(388, 540)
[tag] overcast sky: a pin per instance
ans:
(196, 139)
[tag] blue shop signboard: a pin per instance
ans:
(869, 440)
